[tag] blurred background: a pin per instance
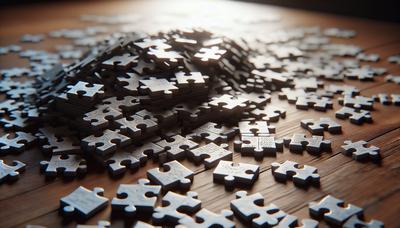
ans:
(387, 10)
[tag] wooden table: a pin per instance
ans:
(376, 188)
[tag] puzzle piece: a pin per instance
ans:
(173, 176)
(86, 91)
(313, 145)
(307, 84)
(175, 207)
(66, 165)
(100, 118)
(229, 103)
(354, 222)
(210, 154)
(339, 33)
(318, 127)
(18, 141)
(358, 102)
(120, 161)
(363, 74)
(251, 209)
(10, 172)
(291, 221)
(385, 99)
(393, 78)
(209, 55)
(121, 62)
(106, 142)
(29, 38)
(302, 176)
(15, 121)
(269, 113)
(346, 90)
(258, 146)
(135, 198)
(126, 104)
(255, 128)
(100, 224)
(191, 79)
(158, 87)
(206, 218)
(359, 151)
(291, 94)
(368, 57)
(314, 101)
(177, 146)
(129, 83)
(213, 132)
(168, 58)
(231, 174)
(83, 202)
(160, 44)
(394, 59)
(355, 116)
(333, 210)
(135, 126)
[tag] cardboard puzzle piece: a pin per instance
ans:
(291, 94)
(177, 146)
(83, 203)
(313, 145)
(172, 176)
(206, 218)
(269, 113)
(121, 62)
(65, 165)
(356, 116)
(106, 142)
(84, 90)
(393, 78)
(251, 209)
(346, 90)
(100, 118)
(134, 198)
(209, 55)
(16, 142)
(213, 132)
(258, 146)
(191, 79)
(360, 152)
(302, 176)
(152, 43)
(129, 83)
(10, 172)
(210, 154)
(354, 222)
(255, 128)
(157, 87)
(231, 174)
(135, 126)
(175, 206)
(229, 103)
(126, 104)
(319, 126)
(333, 210)
(120, 161)
(291, 221)
(358, 102)
(315, 102)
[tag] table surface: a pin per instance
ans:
(374, 187)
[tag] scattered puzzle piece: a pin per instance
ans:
(173, 176)
(318, 127)
(313, 145)
(258, 146)
(210, 154)
(360, 152)
(355, 116)
(10, 172)
(66, 165)
(301, 175)
(231, 174)
(206, 218)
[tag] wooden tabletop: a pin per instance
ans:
(374, 187)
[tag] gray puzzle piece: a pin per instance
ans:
(355, 116)
(301, 176)
(10, 172)
(120, 161)
(177, 146)
(358, 102)
(333, 210)
(83, 202)
(213, 132)
(231, 174)
(360, 152)
(255, 128)
(210, 154)
(106, 142)
(258, 146)
(173, 176)
(313, 145)
(317, 127)
(134, 198)
(251, 209)
(176, 206)
(66, 165)
(17, 142)
(206, 218)
(100, 118)
(291, 221)
(354, 222)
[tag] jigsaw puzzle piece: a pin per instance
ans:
(231, 174)
(317, 127)
(66, 165)
(302, 176)
(10, 172)
(206, 218)
(210, 154)
(258, 146)
(360, 152)
(173, 176)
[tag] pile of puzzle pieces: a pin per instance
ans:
(185, 94)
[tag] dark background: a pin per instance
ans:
(387, 10)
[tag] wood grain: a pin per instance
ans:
(376, 188)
